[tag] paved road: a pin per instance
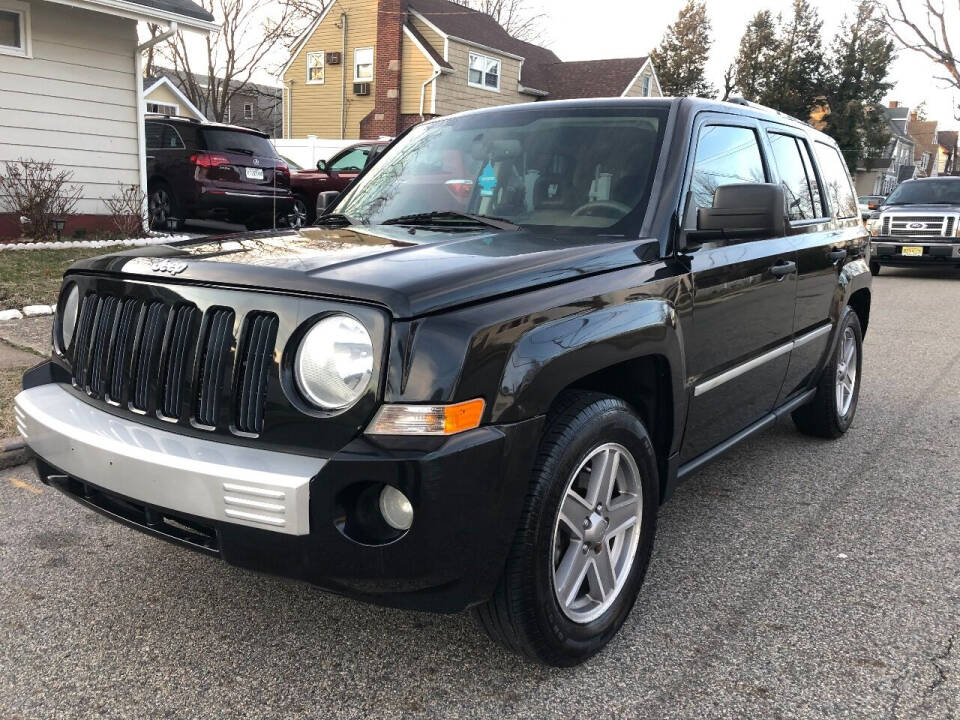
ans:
(794, 578)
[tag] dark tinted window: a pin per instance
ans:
(794, 178)
(726, 155)
(171, 138)
(153, 134)
(836, 181)
(222, 140)
(819, 209)
(937, 192)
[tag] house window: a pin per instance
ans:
(363, 64)
(248, 111)
(315, 68)
(484, 72)
(645, 86)
(161, 108)
(14, 28)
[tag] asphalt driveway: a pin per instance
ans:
(793, 578)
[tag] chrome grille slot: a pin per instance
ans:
(148, 353)
(215, 349)
(81, 341)
(102, 337)
(949, 229)
(885, 228)
(255, 362)
(175, 356)
(122, 348)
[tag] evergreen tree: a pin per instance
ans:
(859, 61)
(681, 57)
(796, 70)
(753, 66)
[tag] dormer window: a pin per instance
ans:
(484, 72)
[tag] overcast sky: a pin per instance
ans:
(578, 30)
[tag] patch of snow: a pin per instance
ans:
(12, 314)
(133, 242)
(36, 310)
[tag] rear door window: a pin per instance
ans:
(726, 155)
(223, 140)
(836, 181)
(353, 161)
(803, 197)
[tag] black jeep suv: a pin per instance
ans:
(209, 171)
(475, 381)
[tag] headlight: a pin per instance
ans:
(335, 362)
(68, 316)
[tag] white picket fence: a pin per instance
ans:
(305, 152)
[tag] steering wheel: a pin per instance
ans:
(602, 205)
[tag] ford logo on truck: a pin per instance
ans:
(917, 226)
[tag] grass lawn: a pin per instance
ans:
(32, 277)
(9, 387)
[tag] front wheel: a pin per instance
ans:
(831, 411)
(585, 536)
(161, 206)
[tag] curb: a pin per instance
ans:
(13, 452)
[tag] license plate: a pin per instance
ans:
(254, 173)
(911, 251)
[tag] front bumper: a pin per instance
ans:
(467, 492)
(889, 251)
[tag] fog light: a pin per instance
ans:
(396, 508)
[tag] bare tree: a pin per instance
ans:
(518, 17)
(927, 33)
(729, 81)
(250, 30)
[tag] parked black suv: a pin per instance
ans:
(474, 383)
(200, 170)
(919, 224)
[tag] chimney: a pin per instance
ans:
(913, 116)
(894, 104)
(385, 118)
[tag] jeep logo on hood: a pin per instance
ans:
(143, 264)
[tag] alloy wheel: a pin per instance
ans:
(846, 371)
(596, 532)
(159, 208)
(298, 218)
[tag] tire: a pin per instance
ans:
(302, 209)
(162, 205)
(874, 268)
(525, 614)
(828, 415)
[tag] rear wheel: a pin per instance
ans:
(586, 533)
(162, 206)
(874, 268)
(301, 211)
(831, 411)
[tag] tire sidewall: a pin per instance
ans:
(849, 320)
(614, 425)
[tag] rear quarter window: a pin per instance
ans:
(836, 181)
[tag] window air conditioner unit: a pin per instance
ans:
(361, 88)
(333, 58)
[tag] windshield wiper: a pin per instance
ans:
(333, 220)
(450, 217)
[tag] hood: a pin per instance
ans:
(410, 272)
(918, 209)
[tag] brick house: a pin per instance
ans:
(367, 68)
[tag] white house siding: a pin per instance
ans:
(75, 101)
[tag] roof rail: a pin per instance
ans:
(737, 100)
(184, 118)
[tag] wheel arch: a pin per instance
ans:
(860, 302)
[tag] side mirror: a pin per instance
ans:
(325, 200)
(750, 209)
(322, 165)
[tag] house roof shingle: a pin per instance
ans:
(590, 78)
(477, 27)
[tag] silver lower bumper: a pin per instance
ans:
(229, 483)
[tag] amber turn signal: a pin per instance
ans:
(427, 419)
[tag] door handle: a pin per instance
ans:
(836, 255)
(783, 268)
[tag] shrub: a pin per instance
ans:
(127, 211)
(37, 192)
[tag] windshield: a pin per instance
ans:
(563, 169)
(926, 192)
